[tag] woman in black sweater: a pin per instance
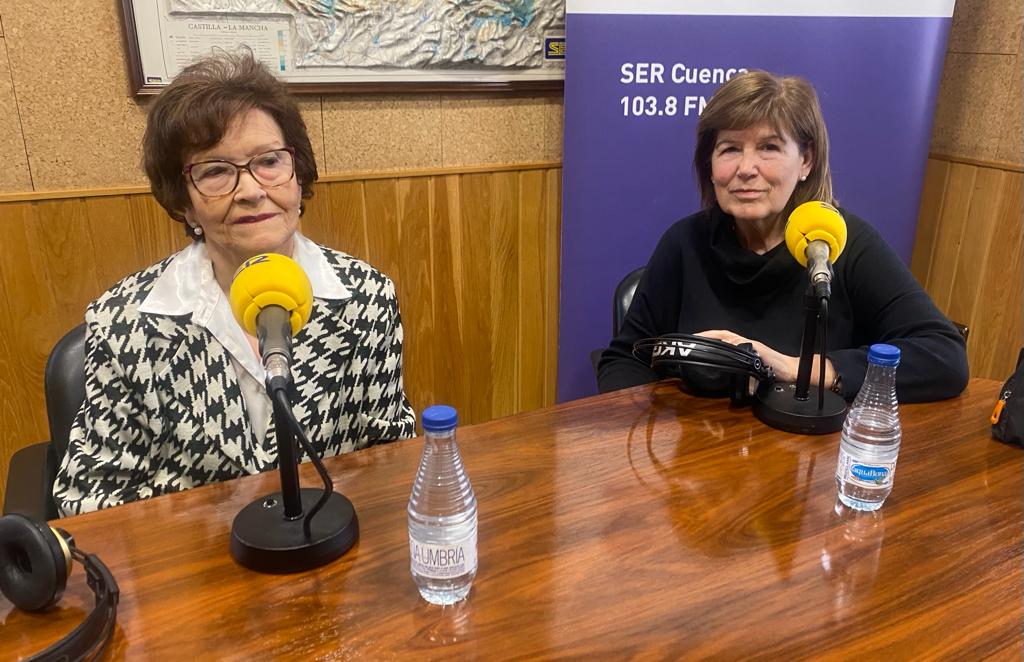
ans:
(725, 272)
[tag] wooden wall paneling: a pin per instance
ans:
(338, 214)
(997, 328)
(317, 222)
(156, 235)
(532, 228)
(416, 294)
(952, 223)
(15, 414)
(552, 279)
(61, 244)
(31, 295)
(986, 199)
(114, 245)
(451, 383)
(27, 339)
(932, 195)
(504, 294)
(969, 253)
(476, 211)
(382, 229)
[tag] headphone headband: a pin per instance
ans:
(93, 634)
(682, 348)
(667, 353)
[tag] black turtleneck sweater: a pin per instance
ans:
(701, 278)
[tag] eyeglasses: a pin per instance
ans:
(216, 178)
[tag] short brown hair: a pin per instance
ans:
(193, 114)
(789, 105)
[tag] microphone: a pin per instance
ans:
(272, 298)
(815, 237)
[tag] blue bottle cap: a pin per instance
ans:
(439, 418)
(883, 354)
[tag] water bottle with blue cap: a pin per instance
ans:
(871, 435)
(442, 514)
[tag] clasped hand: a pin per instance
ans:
(785, 366)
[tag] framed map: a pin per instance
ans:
(356, 45)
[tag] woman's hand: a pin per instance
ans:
(785, 366)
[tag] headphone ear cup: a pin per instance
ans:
(33, 565)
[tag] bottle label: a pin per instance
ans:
(872, 475)
(443, 561)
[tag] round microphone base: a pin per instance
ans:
(776, 406)
(263, 540)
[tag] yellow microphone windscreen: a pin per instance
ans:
(270, 280)
(814, 221)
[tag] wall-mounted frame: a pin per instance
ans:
(323, 46)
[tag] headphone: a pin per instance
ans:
(35, 563)
(671, 355)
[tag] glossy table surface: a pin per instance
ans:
(642, 523)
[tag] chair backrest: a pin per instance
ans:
(623, 297)
(65, 386)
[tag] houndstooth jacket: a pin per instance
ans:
(163, 410)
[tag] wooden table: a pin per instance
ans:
(642, 523)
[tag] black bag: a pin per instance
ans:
(1008, 416)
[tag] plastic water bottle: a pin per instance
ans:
(442, 514)
(871, 435)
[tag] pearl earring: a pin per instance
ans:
(197, 231)
(803, 178)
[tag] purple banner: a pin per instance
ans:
(634, 87)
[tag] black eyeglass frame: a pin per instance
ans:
(187, 171)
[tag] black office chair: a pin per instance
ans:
(32, 469)
(624, 292)
(623, 297)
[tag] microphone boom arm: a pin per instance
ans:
(803, 373)
(287, 459)
(791, 408)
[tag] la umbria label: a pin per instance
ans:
(443, 561)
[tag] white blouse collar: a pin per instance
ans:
(187, 285)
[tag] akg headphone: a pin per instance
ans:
(719, 365)
(35, 562)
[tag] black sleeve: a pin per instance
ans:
(653, 312)
(890, 306)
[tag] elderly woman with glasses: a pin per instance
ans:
(174, 386)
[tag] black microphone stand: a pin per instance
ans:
(803, 408)
(277, 533)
